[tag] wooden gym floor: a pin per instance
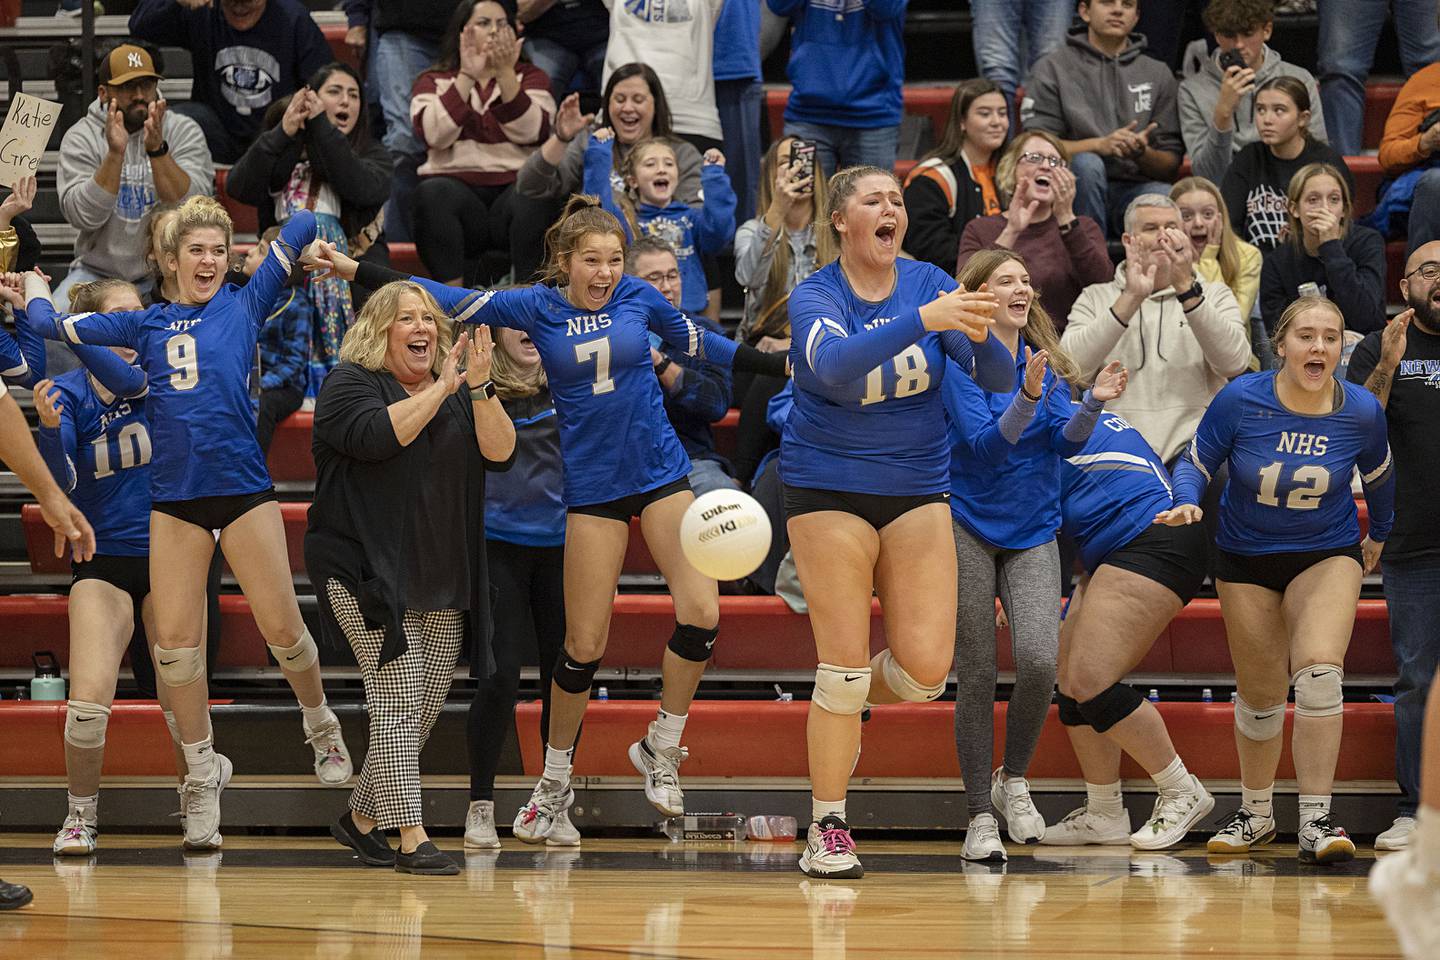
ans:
(140, 897)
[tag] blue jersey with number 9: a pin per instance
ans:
(198, 360)
(1289, 487)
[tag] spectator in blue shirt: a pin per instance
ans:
(739, 96)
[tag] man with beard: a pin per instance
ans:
(1401, 366)
(127, 154)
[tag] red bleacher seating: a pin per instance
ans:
(335, 36)
(244, 216)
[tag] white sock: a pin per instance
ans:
(315, 716)
(557, 764)
(1174, 778)
(1258, 802)
(86, 807)
(1313, 807)
(1425, 841)
(820, 809)
(666, 730)
(1103, 799)
(200, 759)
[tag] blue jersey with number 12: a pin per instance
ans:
(198, 360)
(1289, 487)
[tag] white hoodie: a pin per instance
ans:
(1177, 361)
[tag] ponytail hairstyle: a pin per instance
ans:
(154, 231)
(196, 213)
(1229, 257)
(581, 217)
(1293, 88)
(843, 186)
(90, 297)
(1297, 307)
(1039, 329)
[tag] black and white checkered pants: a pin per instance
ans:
(404, 698)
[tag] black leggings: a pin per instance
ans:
(529, 608)
(456, 222)
(753, 436)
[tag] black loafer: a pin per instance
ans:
(13, 896)
(426, 859)
(372, 848)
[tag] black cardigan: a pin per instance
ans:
(1350, 271)
(356, 532)
(361, 180)
(934, 235)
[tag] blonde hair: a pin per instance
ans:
(1229, 257)
(843, 186)
(1010, 159)
(581, 217)
(160, 211)
(1039, 329)
(510, 382)
(197, 213)
(90, 297)
(1297, 188)
(777, 282)
(368, 338)
(1297, 307)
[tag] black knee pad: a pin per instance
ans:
(572, 676)
(693, 643)
(1110, 706)
(1070, 714)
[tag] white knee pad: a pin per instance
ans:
(85, 724)
(180, 666)
(1259, 723)
(302, 656)
(1318, 690)
(841, 690)
(904, 685)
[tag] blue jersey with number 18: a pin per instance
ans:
(198, 360)
(1289, 487)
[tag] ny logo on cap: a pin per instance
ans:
(133, 59)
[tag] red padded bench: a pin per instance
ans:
(335, 36)
(137, 743)
(765, 738)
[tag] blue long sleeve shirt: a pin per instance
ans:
(847, 61)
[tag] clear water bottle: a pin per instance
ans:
(783, 696)
(602, 693)
(771, 828)
(1154, 696)
(1207, 695)
(705, 826)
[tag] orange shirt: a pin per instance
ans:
(985, 177)
(1400, 146)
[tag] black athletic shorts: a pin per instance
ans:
(1173, 557)
(131, 574)
(626, 507)
(1275, 571)
(214, 513)
(876, 509)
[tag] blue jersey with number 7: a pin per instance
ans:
(1289, 487)
(198, 360)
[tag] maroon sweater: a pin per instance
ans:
(1060, 265)
(479, 139)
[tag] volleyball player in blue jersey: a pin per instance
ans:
(1005, 502)
(208, 474)
(591, 325)
(864, 459)
(1138, 576)
(1290, 560)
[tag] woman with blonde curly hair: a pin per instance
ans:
(403, 438)
(1066, 251)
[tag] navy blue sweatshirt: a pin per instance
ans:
(525, 505)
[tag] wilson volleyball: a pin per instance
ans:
(725, 534)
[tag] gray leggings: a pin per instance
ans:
(1028, 584)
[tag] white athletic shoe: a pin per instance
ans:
(1081, 827)
(201, 802)
(1320, 841)
(537, 818)
(1174, 814)
(563, 833)
(661, 771)
(332, 758)
(1410, 896)
(480, 826)
(829, 852)
(1012, 801)
(982, 840)
(1398, 836)
(76, 838)
(1242, 831)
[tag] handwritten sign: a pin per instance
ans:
(27, 130)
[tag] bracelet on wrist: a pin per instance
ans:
(1118, 320)
(1025, 392)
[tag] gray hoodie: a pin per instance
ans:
(1077, 92)
(112, 226)
(1210, 150)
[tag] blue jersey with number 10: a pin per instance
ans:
(615, 439)
(1111, 490)
(1289, 487)
(198, 360)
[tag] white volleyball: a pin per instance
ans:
(725, 534)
